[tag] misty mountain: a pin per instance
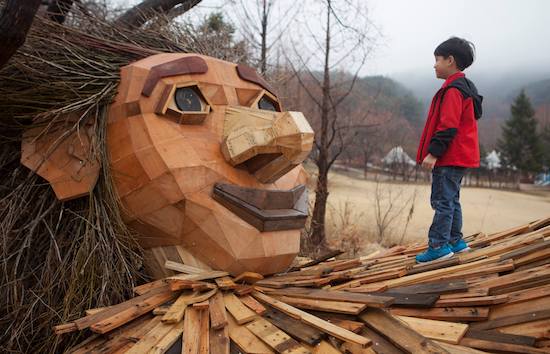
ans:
(499, 88)
(392, 96)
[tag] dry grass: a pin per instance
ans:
(59, 258)
(410, 215)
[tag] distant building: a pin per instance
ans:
(492, 160)
(398, 156)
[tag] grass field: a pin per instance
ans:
(353, 209)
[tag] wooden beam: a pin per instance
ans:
(400, 334)
(316, 322)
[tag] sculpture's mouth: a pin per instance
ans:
(266, 210)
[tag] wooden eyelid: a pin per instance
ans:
(262, 93)
(163, 106)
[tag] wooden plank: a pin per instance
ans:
(182, 268)
(191, 331)
(201, 276)
(296, 329)
(218, 315)
(500, 347)
(512, 320)
(445, 273)
(241, 313)
(472, 292)
(219, 340)
(439, 287)
(253, 304)
(128, 314)
(518, 308)
(421, 268)
(380, 344)
(317, 294)
(351, 308)
(248, 277)
(202, 305)
(151, 338)
(454, 314)
(398, 333)
(537, 329)
(193, 328)
(318, 260)
(204, 332)
(168, 340)
(495, 336)
(449, 332)
(275, 338)
(123, 337)
(246, 340)
(175, 312)
(324, 347)
(85, 322)
(316, 322)
(459, 349)
(225, 283)
(142, 289)
(516, 279)
(473, 301)
(411, 300)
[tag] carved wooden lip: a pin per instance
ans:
(266, 210)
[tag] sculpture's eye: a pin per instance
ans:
(188, 99)
(185, 104)
(267, 104)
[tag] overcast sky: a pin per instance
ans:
(507, 33)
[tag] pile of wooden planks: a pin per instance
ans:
(493, 299)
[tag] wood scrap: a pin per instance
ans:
(495, 299)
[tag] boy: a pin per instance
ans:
(449, 144)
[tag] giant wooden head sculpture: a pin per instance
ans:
(204, 160)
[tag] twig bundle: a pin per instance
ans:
(59, 258)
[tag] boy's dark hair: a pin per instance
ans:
(462, 50)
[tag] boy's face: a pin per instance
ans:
(444, 67)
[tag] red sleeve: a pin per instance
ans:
(450, 111)
(447, 125)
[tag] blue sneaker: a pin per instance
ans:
(434, 254)
(459, 247)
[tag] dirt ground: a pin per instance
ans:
(486, 210)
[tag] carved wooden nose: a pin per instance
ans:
(268, 144)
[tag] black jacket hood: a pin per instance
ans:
(468, 89)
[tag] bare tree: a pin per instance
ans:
(15, 21)
(262, 25)
(144, 11)
(344, 43)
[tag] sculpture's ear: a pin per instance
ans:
(67, 161)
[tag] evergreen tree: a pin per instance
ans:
(520, 145)
(545, 139)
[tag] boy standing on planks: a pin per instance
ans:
(449, 144)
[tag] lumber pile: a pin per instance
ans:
(493, 299)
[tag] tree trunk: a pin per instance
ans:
(318, 236)
(144, 11)
(263, 54)
(58, 10)
(15, 20)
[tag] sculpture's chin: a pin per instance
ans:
(203, 233)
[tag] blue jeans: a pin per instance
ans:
(445, 200)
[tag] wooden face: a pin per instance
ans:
(184, 126)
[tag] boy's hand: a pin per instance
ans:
(429, 162)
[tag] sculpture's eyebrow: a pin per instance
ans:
(181, 66)
(249, 74)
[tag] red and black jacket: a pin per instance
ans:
(450, 133)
